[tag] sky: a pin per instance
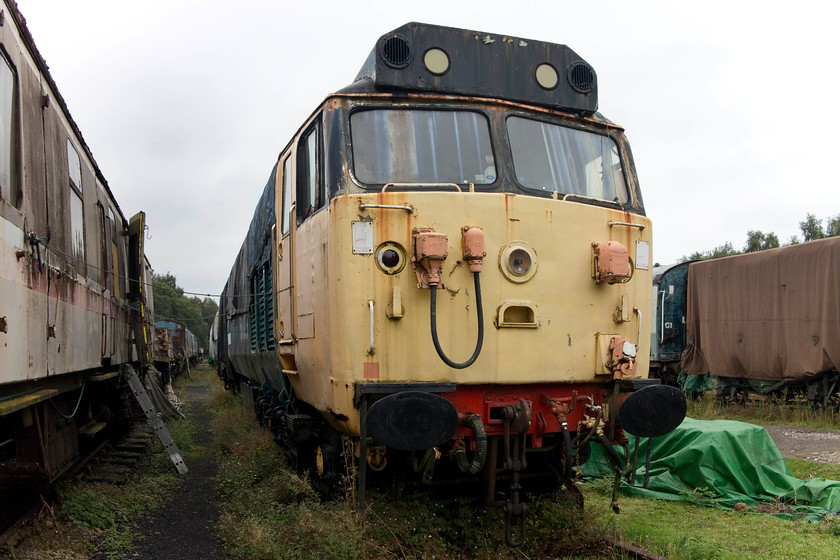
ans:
(729, 107)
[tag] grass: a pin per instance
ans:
(762, 411)
(684, 531)
(268, 513)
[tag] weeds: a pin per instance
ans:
(763, 410)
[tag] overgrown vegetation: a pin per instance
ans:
(764, 411)
(85, 518)
(268, 513)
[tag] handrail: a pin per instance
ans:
(409, 209)
(421, 185)
(372, 350)
(628, 224)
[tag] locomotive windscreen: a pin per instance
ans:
(424, 57)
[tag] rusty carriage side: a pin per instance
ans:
(449, 265)
(75, 303)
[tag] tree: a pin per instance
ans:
(833, 227)
(759, 241)
(812, 228)
(172, 304)
(725, 250)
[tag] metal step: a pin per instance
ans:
(154, 418)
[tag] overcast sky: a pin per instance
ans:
(730, 107)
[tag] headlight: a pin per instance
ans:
(518, 261)
(390, 258)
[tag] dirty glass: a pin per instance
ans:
(74, 166)
(421, 146)
(551, 158)
(8, 182)
(77, 221)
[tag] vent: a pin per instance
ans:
(581, 76)
(395, 51)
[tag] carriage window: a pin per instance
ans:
(287, 196)
(416, 146)
(553, 158)
(77, 214)
(9, 187)
(115, 254)
(308, 175)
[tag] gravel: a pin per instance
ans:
(801, 443)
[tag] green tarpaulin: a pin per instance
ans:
(721, 463)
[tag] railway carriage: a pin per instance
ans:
(74, 298)
(449, 264)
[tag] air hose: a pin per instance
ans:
(567, 452)
(474, 422)
(480, 315)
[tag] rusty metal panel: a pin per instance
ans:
(533, 72)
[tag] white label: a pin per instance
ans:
(642, 255)
(362, 238)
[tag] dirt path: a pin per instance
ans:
(185, 528)
(801, 443)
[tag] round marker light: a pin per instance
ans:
(547, 76)
(436, 61)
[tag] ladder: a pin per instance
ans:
(154, 418)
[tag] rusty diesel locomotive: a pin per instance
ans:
(449, 266)
(74, 304)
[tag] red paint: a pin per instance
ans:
(488, 401)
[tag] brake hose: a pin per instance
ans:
(480, 314)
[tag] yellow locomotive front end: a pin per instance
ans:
(459, 263)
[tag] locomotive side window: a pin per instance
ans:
(287, 196)
(422, 146)
(309, 195)
(77, 215)
(552, 158)
(9, 184)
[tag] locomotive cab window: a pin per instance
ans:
(548, 157)
(422, 146)
(310, 196)
(77, 216)
(9, 184)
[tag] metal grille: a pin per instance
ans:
(396, 51)
(261, 316)
(581, 77)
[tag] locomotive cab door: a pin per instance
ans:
(284, 329)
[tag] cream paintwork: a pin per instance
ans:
(333, 287)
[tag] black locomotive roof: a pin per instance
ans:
(421, 57)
